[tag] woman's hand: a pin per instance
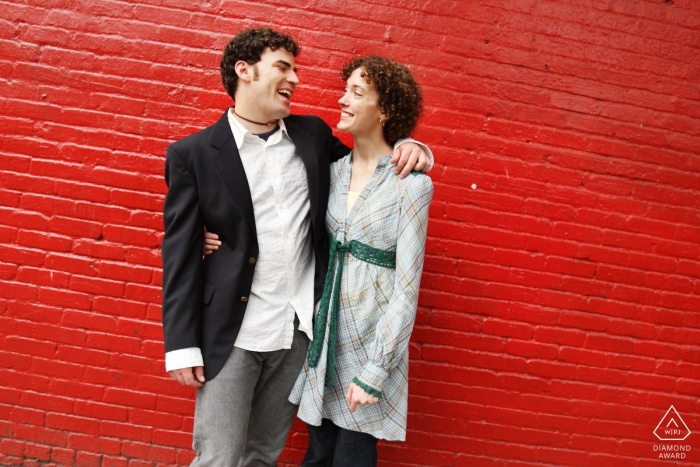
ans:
(211, 242)
(356, 395)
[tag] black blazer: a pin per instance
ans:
(204, 300)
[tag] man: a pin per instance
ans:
(237, 324)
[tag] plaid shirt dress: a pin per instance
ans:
(377, 304)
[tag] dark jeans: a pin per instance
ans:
(332, 446)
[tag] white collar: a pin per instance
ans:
(239, 131)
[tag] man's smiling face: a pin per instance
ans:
(272, 85)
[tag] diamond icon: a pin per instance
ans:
(671, 427)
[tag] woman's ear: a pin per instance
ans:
(383, 118)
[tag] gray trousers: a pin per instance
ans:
(242, 417)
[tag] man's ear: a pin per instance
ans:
(244, 71)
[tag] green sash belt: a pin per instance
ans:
(362, 252)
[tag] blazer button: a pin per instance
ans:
(252, 260)
(244, 299)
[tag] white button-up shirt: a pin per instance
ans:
(283, 283)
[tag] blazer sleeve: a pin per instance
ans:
(182, 256)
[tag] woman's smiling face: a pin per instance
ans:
(359, 106)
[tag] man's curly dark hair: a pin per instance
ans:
(248, 46)
(400, 97)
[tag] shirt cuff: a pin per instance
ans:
(183, 358)
(367, 389)
(372, 377)
(428, 152)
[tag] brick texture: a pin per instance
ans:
(559, 316)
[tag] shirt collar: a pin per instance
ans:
(239, 131)
(382, 161)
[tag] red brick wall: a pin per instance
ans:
(560, 310)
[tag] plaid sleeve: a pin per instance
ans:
(394, 327)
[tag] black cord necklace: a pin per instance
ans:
(270, 123)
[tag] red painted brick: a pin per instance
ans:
(100, 212)
(130, 398)
(63, 456)
(124, 272)
(111, 461)
(44, 241)
(177, 405)
(83, 390)
(147, 257)
(16, 255)
(99, 249)
(153, 349)
(72, 423)
(16, 361)
(507, 329)
(139, 329)
(47, 402)
(172, 438)
(120, 307)
(87, 459)
(82, 442)
(608, 343)
(148, 220)
(154, 418)
(130, 236)
(75, 227)
(72, 264)
(559, 336)
(82, 355)
(113, 343)
(132, 199)
(655, 382)
(93, 193)
(9, 396)
(531, 349)
(125, 431)
(551, 370)
(30, 381)
(11, 447)
(601, 376)
(8, 234)
(625, 275)
(88, 320)
(40, 435)
(455, 321)
(22, 415)
(37, 451)
(97, 286)
(45, 277)
(64, 298)
(30, 346)
(142, 293)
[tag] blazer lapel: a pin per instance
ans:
(228, 161)
(303, 140)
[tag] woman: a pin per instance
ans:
(353, 387)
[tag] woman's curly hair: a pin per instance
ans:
(248, 46)
(400, 97)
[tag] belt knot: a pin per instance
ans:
(331, 287)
